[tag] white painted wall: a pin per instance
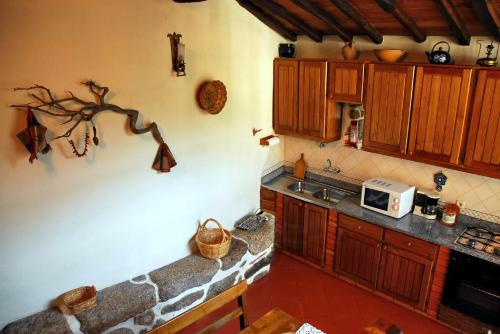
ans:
(67, 222)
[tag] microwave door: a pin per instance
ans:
(376, 199)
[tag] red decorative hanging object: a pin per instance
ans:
(164, 159)
(33, 137)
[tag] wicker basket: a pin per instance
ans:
(213, 242)
(80, 299)
(212, 96)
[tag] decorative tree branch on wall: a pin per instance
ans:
(76, 111)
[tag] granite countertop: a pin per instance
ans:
(429, 230)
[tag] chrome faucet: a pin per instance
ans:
(329, 169)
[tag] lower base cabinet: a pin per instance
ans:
(304, 229)
(357, 257)
(405, 275)
(293, 225)
(391, 262)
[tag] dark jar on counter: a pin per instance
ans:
(450, 215)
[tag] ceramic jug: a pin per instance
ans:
(349, 51)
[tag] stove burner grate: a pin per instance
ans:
(480, 239)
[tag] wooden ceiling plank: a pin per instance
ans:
(325, 17)
(392, 7)
(349, 10)
(268, 20)
(488, 14)
(455, 21)
(277, 10)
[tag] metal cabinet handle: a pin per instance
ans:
(379, 244)
(385, 247)
(409, 244)
(359, 227)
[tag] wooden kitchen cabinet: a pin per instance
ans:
(406, 268)
(312, 99)
(387, 108)
(293, 225)
(315, 223)
(301, 107)
(286, 98)
(483, 146)
(439, 114)
(345, 82)
(358, 250)
(304, 230)
(357, 256)
(268, 200)
(391, 262)
(405, 276)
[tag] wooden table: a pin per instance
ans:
(275, 321)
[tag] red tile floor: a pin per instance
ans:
(324, 301)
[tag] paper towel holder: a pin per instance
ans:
(264, 141)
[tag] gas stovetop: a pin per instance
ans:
(480, 239)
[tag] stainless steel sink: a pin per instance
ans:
(302, 187)
(332, 195)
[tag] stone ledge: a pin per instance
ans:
(260, 239)
(171, 279)
(136, 299)
(115, 304)
(50, 321)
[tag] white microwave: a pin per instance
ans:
(391, 198)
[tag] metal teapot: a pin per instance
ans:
(439, 56)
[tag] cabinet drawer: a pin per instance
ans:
(267, 194)
(361, 227)
(267, 205)
(414, 245)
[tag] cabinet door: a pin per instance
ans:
(405, 276)
(345, 82)
(357, 256)
(483, 147)
(439, 114)
(286, 89)
(312, 99)
(388, 98)
(315, 222)
(293, 225)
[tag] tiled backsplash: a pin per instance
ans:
(480, 193)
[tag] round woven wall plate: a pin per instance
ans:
(212, 96)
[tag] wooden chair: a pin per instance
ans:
(180, 322)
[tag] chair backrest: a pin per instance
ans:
(187, 318)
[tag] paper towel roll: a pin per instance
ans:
(273, 141)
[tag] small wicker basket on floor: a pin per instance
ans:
(213, 242)
(79, 299)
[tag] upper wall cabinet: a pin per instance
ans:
(286, 90)
(345, 82)
(312, 98)
(387, 109)
(440, 102)
(483, 147)
(301, 107)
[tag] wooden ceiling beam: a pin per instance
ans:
(268, 20)
(356, 16)
(392, 7)
(325, 17)
(277, 10)
(455, 21)
(489, 15)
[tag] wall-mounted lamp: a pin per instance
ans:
(178, 50)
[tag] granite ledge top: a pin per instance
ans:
(429, 230)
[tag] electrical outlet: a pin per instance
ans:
(460, 203)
